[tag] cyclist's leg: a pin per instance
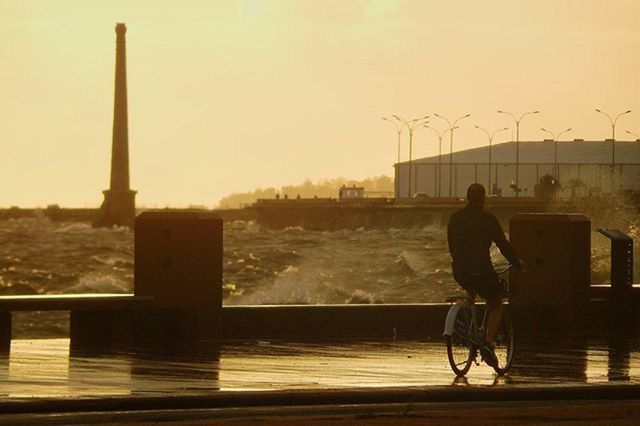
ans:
(490, 290)
(494, 307)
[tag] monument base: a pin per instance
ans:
(118, 208)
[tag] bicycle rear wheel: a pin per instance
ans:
(505, 344)
(460, 349)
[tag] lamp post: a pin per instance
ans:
(490, 136)
(439, 173)
(613, 121)
(613, 143)
(555, 138)
(517, 120)
(411, 125)
(635, 135)
(398, 127)
(452, 127)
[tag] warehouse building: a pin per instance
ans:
(581, 168)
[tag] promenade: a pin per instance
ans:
(43, 383)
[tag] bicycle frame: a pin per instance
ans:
(465, 332)
(469, 301)
(476, 333)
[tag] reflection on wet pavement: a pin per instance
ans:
(45, 368)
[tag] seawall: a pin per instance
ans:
(313, 216)
(598, 316)
(331, 214)
(377, 213)
(54, 213)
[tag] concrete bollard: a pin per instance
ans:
(553, 290)
(5, 332)
(178, 261)
(621, 297)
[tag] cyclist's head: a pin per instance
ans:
(476, 195)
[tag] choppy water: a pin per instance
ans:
(261, 266)
(345, 266)
(39, 256)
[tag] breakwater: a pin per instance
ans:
(53, 213)
(369, 213)
(377, 213)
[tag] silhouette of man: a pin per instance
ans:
(470, 233)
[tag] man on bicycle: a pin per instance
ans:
(470, 233)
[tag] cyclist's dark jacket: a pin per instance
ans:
(470, 232)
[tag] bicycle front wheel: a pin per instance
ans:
(504, 344)
(460, 349)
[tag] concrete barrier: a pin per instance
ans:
(553, 290)
(333, 321)
(178, 262)
(96, 320)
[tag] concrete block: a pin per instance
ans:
(178, 261)
(556, 249)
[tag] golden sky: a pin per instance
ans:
(227, 96)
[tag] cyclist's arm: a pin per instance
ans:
(505, 247)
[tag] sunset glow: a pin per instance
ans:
(228, 96)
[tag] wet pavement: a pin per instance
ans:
(47, 369)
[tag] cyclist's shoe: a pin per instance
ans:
(488, 356)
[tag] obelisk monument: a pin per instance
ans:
(118, 207)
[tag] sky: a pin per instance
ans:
(229, 96)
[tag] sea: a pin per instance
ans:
(261, 265)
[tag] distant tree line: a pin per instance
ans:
(325, 188)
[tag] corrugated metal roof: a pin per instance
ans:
(542, 152)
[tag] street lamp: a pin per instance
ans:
(439, 175)
(613, 143)
(555, 149)
(635, 135)
(490, 136)
(517, 120)
(398, 127)
(613, 121)
(452, 127)
(411, 125)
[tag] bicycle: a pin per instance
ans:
(464, 335)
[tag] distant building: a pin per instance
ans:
(351, 192)
(583, 168)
